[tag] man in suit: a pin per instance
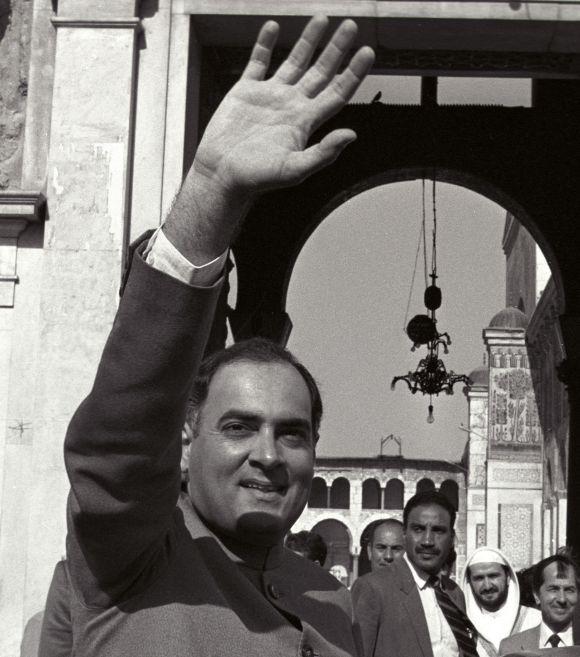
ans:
(556, 592)
(154, 573)
(386, 544)
(408, 609)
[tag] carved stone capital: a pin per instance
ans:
(17, 210)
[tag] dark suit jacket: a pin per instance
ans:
(389, 612)
(149, 578)
(526, 640)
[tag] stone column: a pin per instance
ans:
(89, 167)
(355, 556)
(355, 495)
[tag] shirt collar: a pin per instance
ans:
(565, 636)
(420, 580)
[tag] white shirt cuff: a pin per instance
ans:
(161, 254)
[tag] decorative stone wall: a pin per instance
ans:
(15, 17)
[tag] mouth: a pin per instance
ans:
(560, 610)
(265, 487)
(427, 555)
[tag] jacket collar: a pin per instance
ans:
(251, 556)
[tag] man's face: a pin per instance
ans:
(489, 583)
(428, 538)
(557, 598)
(386, 546)
(252, 456)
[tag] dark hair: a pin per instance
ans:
(310, 544)
(563, 563)
(426, 498)
(255, 350)
(382, 523)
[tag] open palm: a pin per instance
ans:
(257, 138)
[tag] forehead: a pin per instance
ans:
(272, 389)
(388, 534)
(551, 575)
(486, 569)
(430, 514)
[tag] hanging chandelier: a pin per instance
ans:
(431, 376)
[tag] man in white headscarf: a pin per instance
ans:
(492, 600)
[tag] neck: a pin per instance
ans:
(558, 629)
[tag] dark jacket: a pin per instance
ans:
(149, 578)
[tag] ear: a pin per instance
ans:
(186, 437)
(536, 598)
(369, 551)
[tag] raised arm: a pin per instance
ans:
(123, 444)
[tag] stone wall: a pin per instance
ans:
(15, 18)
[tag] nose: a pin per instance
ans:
(265, 450)
(427, 537)
(389, 555)
(561, 598)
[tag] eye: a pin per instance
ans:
(236, 429)
(295, 436)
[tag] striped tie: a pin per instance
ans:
(463, 630)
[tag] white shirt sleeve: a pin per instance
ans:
(161, 254)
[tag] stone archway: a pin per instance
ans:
(338, 542)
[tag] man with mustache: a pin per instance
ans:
(556, 592)
(155, 573)
(492, 600)
(410, 609)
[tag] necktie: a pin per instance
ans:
(554, 640)
(463, 630)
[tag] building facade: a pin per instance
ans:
(518, 412)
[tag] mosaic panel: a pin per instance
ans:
(515, 533)
(514, 414)
(518, 475)
(480, 540)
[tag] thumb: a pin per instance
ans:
(304, 163)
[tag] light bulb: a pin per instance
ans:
(430, 418)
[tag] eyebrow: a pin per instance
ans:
(249, 416)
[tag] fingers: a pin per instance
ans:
(302, 164)
(320, 74)
(343, 86)
(292, 69)
(262, 52)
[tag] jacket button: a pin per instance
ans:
(274, 591)
(307, 651)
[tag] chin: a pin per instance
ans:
(261, 528)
